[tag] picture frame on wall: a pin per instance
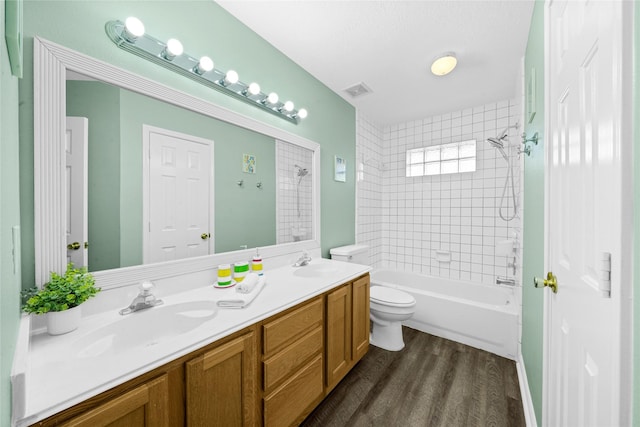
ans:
(249, 163)
(13, 35)
(531, 96)
(340, 169)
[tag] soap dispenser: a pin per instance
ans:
(256, 263)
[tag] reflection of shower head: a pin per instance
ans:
(301, 171)
(498, 143)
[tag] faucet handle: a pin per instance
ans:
(146, 287)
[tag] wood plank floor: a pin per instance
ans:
(432, 382)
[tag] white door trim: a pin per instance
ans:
(147, 130)
(78, 197)
(627, 251)
(547, 137)
(624, 394)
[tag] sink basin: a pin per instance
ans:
(144, 328)
(316, 270)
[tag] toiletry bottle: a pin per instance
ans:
(256, 264)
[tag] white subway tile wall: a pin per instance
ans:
(294, 191)
(407, 219)
(369, 180)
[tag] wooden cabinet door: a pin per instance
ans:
(221, 385)
(145, 405)
(338, 341)
(360, 317)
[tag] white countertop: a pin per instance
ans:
(58, 376)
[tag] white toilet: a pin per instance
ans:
(389, 307)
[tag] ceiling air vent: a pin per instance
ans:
(358, 89)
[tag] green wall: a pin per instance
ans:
(533, 250)
(104, 167)
(204, 28)
(9, 218)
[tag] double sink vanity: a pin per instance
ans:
(189, 362)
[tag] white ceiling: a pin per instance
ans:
(389, 45)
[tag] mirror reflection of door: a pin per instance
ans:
(76, 150)
(178, 211)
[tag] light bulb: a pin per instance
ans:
(133, 28)
(231, 78)
(288, 106)
(254, 88)
(272, 98)
(302, 113)
(205, 64)
(174, 48)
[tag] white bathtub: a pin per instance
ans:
(482, 316)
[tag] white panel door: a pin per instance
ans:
(180, 196)
(77, 166)
(584, 159)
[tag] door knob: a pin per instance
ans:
(73, 246)
(205, 236)
(551, 281)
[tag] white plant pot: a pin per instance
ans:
(61, 322)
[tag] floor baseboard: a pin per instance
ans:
(527, 403)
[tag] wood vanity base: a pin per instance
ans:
(272, 373)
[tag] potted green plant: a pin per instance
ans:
(60, 299)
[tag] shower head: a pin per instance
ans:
(301, 171)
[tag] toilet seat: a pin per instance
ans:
(391, 297)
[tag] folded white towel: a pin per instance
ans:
(248, 283)
(239, 300)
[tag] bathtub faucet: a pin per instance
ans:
(500, 280)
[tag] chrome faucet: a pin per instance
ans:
(304, 259)
(145, 299)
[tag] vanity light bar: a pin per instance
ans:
(131, 37)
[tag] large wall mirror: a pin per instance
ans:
(135, 180)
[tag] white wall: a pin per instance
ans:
(405, 220)
(369, 178)
(287, 156)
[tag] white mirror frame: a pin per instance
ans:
(50, 64)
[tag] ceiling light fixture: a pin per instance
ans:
(444, 64)
(131, 36)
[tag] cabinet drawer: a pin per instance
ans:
(290, 326)
(290, 358)
(292, 400)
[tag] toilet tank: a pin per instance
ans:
(358, 254)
